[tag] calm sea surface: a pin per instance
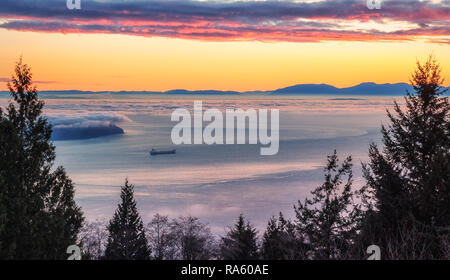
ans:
(213, 182)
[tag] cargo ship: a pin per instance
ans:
(154, 152)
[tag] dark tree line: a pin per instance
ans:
(404, 207)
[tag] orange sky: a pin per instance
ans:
(240, 45)
(123, 62)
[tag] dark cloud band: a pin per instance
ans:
(242, 20)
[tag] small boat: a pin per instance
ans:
(154, 152)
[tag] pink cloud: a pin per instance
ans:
(260, 20)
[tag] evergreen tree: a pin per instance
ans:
(2, 209)
(280, 241)
(410, 177)
(126, 240)
(39, 218)
(328, 221)
(240, 243)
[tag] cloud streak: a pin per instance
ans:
(6, 80)
(337, 20)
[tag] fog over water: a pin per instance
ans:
(213, 182)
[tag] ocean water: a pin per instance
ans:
(213, 182)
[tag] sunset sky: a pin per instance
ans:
(225, 45)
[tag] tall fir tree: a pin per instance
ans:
(39, 216)
(280, 241)
(328, 221)
(126, 240)
(410, 177)
(240, 242)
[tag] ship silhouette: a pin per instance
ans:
(154, 152)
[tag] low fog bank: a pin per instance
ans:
(84, 127)
(78, 133)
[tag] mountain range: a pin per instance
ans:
(370, 89)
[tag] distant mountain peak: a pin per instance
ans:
(366, 88)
